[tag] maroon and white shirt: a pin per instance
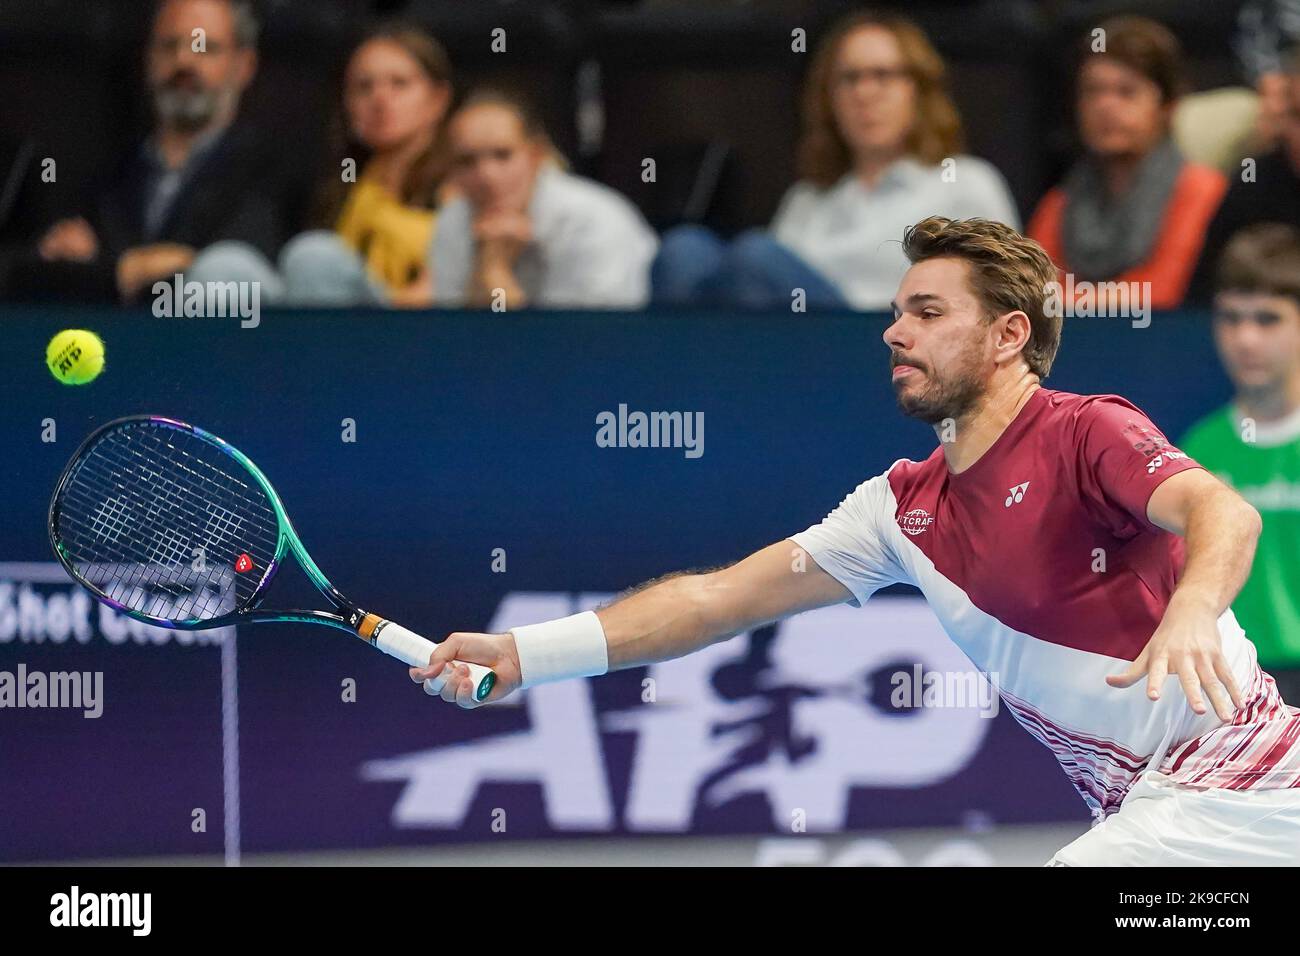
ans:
(1041, 564)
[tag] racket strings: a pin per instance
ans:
(137, 569)
(143, 501)
(158, 566)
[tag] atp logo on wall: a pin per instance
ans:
(797, 713)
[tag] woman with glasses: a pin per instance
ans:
(881, 149)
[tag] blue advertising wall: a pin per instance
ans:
(473, 433)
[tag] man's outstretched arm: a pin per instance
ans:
(668, 618)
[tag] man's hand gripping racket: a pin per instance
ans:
(449, 676)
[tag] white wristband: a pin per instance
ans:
(557, 650)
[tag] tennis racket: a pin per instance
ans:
(173, 526)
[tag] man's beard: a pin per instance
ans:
(949, 398)
(186, 109)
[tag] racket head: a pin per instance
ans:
(137, 499)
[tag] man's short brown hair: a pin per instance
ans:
(1008, 273)
(1264, 257)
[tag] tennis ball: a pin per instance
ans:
(75, 356)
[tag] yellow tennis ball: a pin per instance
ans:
(75, 356)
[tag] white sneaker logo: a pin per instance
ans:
(1017, 495)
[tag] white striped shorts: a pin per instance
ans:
(1161, 823)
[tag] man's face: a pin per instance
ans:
(494, 161)
(1120, 110)
(941, 346)
(1258, 337)
(196, 79)
(873, 95)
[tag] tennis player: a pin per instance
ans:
(1081, 562)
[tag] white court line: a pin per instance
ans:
(230, 746)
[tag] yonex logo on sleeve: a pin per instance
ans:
(1167, 455)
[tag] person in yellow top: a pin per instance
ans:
(391, 238)
(376, 206)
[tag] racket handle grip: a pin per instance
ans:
(409, 647)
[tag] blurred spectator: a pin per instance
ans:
(1217, 127)
(880, 150)
(199, 177)
(27, 205)
(1266, 190)
(1132, 209)
(1268, 32)
(1254, 443)
(376, 204)
(524, 231)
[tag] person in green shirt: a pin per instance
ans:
(1253, 443)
